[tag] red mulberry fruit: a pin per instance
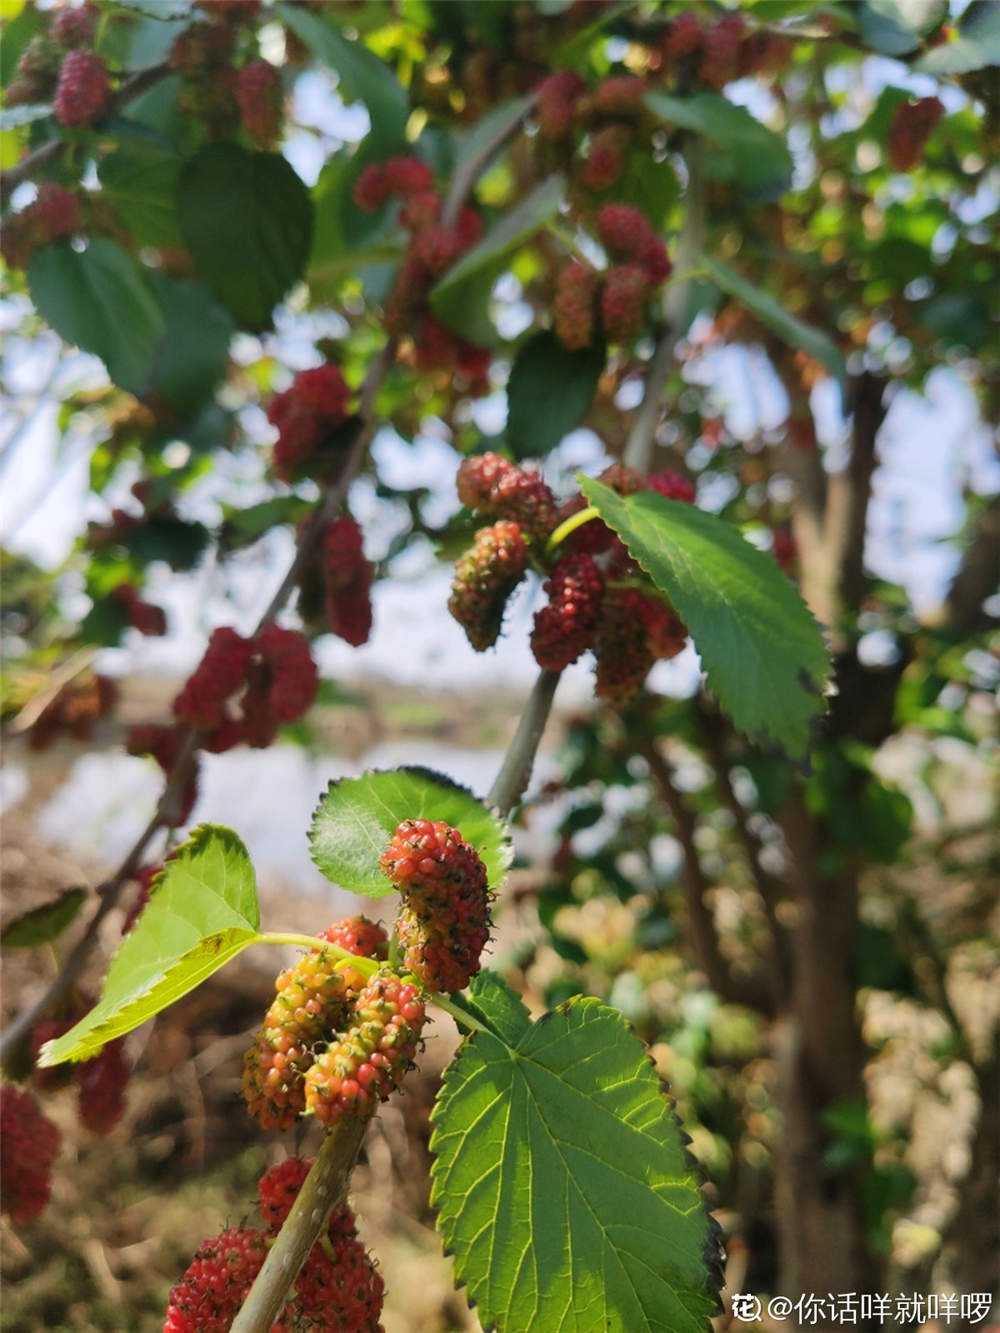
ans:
(574, 306)
(621, 647)
(564, 628)
(28, 1147)
(485, 576)
(258, 92)
(82, 90)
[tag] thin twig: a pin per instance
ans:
(26, 169)
(750, 993)
(639, 446)
(515, 771)
(469, 172)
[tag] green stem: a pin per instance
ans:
(322, 1190)
(515, 772)
(570, 525)
(366, 966)
(458, 1014)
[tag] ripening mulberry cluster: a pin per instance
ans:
(260, 99)
(314, 1001)
(146, 617)
(614, 301)
(245, 689)
(367, 1063)
(101, 1081)
(603, 125)
(78, 705)
(338, 1286)
(724, 51)
(82, 89)
(485, 577)
(444, 918)
(595, 595)
(54, 215)
(347, 581)
(28, 1146)
(911, 126)
(433, 248)
(307, 415)
(39, 64)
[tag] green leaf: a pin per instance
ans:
(549, 392)
(140, 180)
(241, 527)
(763, 653)
(178, 542)
(44, 923)
(749, 152)
(977, 44)
(562, 1184)
(99, 300)
(247, 219)
(360, 71)
(458, 297)
(192, 358)
(160, 9)
(202, 912)
(893, 27)
(357, 817)
(771, 312)
(493, 126)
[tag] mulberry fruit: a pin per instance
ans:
(485, 576)
(490, 484)
(367, 1063)
(557, 99)
(306, 415)
(28, 1146)
(605, 158)
(278, 1188)
(339, 1286)
(444, 921)
(258, 92)
(215, 1285)
(574, 306)
(358, 935)
(564, 628)
(221, 672)
(672, 485)
(74, 27)
(102, 1084)
(911, 126)
(83, 88)
(621, 647)
(623, 301)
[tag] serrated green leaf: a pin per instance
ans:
(247, 219)
(549, 392)
(491, 1001)
(753, 155)
(98, 299)
(44, 923)
(357, 817)
(359, 69)
(562, 1185)
(455, 296)
(202, 913)
(763, 654)
(771, 312)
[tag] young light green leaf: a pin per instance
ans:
(771, 312)
(359, 69)
(99, 299)
(562, 1185)
(44, 923)
(452, 298)
(762, 651)
(247, 219)
(202, 912)
(549, 392)
(357, 817)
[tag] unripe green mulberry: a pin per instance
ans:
(485, 576)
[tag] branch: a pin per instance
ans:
(750, 993)
(515, 771)
(769, 888)
(977, 576)
(850, 491)
(469, 171)
(322, 1190)
(639, 445)
(27, 168)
